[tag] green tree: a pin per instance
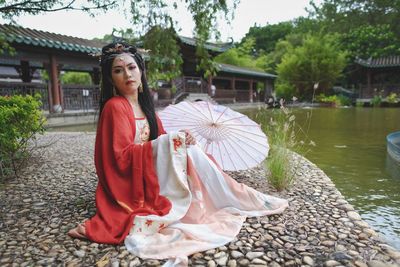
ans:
(371, 41)
(166, 61)
(242, 56)
(282, 47)
(146, 14)
(344, 15)
(318, 60)
(11, 9)
(267, 36)
(73, 77)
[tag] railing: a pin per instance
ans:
(17, 88)
(80, 97)
(227, 95)
(191, 84)
(379, 89)
(242, 96)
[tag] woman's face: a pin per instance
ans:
(125, 74)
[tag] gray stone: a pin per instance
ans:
(135, 262)
(232, 263)
(79, 253)
(308, 260)
(236, 254)
(253, 255)
(222, 261)
(211, 263)
(331, 263)
(353, 215)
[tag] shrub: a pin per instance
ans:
(20, 121)
(282, 132)
(336, 100)
(392, 98)
(376, 101)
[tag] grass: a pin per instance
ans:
(283, 133)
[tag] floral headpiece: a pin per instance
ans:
(109, 51)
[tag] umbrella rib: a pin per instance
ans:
(177, 112)
(252, 141)
(251, 146)
(222, 113)
(238, 154)
(220, 155)
(204, 115)
(201, 118)
(243, 116)
(244, 131)
(256, 161)
(209, 110)
(233, 163)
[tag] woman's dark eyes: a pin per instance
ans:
(120, 70)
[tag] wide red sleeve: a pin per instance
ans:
(128, 184)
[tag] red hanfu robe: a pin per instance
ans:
(128, 183)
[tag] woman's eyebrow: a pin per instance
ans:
(121, 66)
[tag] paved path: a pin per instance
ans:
(37, 209)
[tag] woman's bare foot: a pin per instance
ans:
(78, 232)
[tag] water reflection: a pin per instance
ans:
(351, 150)
(392, 167)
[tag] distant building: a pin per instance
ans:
(37, 50)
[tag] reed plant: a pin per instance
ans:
(279, 124)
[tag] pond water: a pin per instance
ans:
(351, 150)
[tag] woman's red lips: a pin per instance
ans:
(130, 81)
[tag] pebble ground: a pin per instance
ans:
(53, 194)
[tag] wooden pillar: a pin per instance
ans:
(209, 85)
(368, 81)
(25, 71)
(95, 75)
(54, 84)
(251, 91)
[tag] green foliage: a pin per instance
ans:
(371, 41)
(370, 28)
(267, 36)
(283, 47)
(392, 98)
(335, 100)
(11, 9)
(283, 134)
(284, 90)
(20, 120)
(147, 14)
(81, 78)
(242, 56)
(317, 61)
(376, 101)
(166, 61)
(359, 104)
(344, 15)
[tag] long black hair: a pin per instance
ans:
(107, 91)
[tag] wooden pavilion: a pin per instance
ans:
(378, 76)
(36, 50)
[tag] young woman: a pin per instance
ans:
(157, 192)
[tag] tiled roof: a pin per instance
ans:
(217, 47)
(380, 62)
(245, 71)
(20, 35)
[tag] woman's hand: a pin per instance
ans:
(190, 140)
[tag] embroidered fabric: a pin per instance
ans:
(142, 131)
